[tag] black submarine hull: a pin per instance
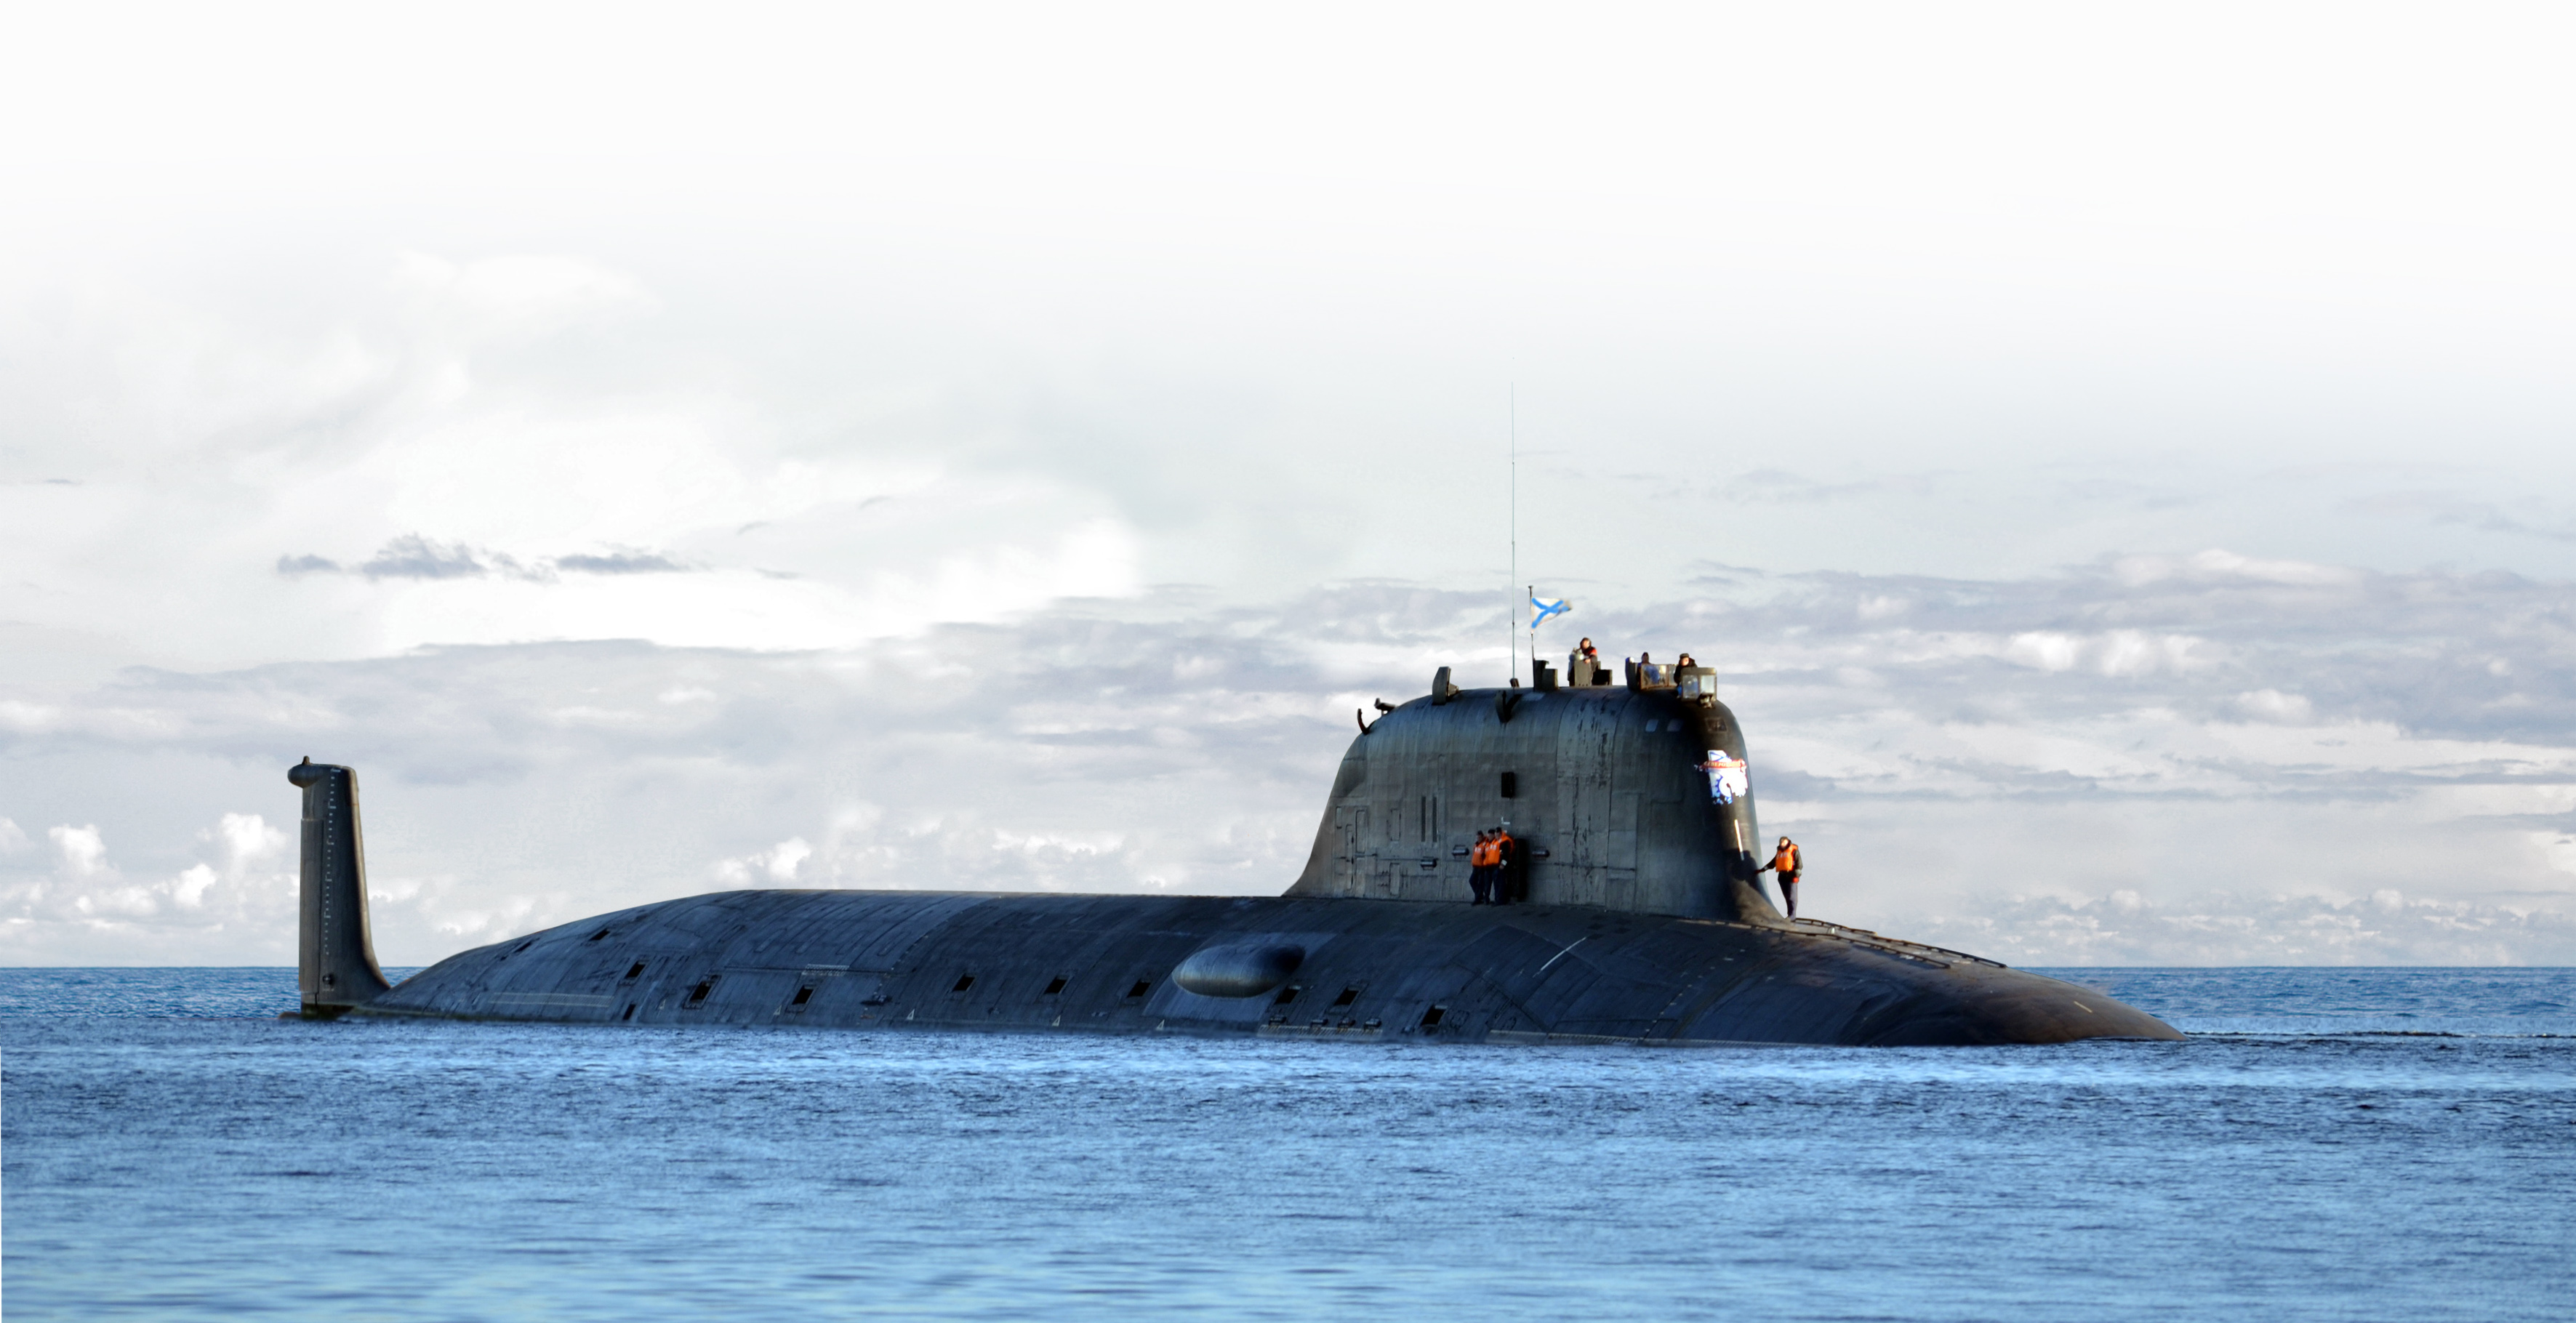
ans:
(1266, 966)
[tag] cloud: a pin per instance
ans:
(515, 297)
(2385, 927)
(2011, 753)
(2462, 511)
(248, 842)
(84, 853)
(412, 556)
(619, 562)
(775, 866)
(1780, 487)
(87, 910)
(646, 496)
(2274, 706)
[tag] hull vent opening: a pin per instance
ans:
(1287, 995)
(1511, 785)
(803, 995)
(630, 1012)
(1348, 996)
(698, 994)
(964, 981)
(1431, 1018)
(1142, 987)
(601, 935)
(1055, 985)
(635, 971)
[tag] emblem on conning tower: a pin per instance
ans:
(1728, 780)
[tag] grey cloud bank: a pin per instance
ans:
(2204, 760)
(412, 556)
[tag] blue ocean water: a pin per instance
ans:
(2330, 1144)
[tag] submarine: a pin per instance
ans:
(1636, 915)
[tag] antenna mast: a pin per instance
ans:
(1512, 619)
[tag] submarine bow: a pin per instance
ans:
(1637, 916)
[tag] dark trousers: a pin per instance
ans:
(1481, 881)
(1789, 892)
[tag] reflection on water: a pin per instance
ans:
(2336, 1143)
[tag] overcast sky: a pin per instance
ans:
(2120, 460)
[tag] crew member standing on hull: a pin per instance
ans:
(1480, 868)
(1507, 853)
(1584, 665)
(1784, 861)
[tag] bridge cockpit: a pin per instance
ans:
(1698, 683)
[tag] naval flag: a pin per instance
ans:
(1541, 608)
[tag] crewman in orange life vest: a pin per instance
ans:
(1784, 861)
(1480, 868)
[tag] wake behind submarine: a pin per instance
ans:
(1641, 918)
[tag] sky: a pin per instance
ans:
(2118, 460)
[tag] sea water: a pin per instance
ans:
(2329, 1144)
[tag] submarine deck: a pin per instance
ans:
(1348, 967)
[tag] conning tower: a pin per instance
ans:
(1626, 796)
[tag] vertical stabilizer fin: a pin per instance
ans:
(336, 966)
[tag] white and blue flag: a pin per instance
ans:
(1541, 608)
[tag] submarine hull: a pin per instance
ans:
(1345, 967)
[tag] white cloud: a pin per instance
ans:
(248, 842)
(88, 911)
(2236, 928)
(775, 866)
(84, 852)
(2222, 566)
(2274, 706)
(516, 297)
(190, 888)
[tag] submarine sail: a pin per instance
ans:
(1636, 916)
